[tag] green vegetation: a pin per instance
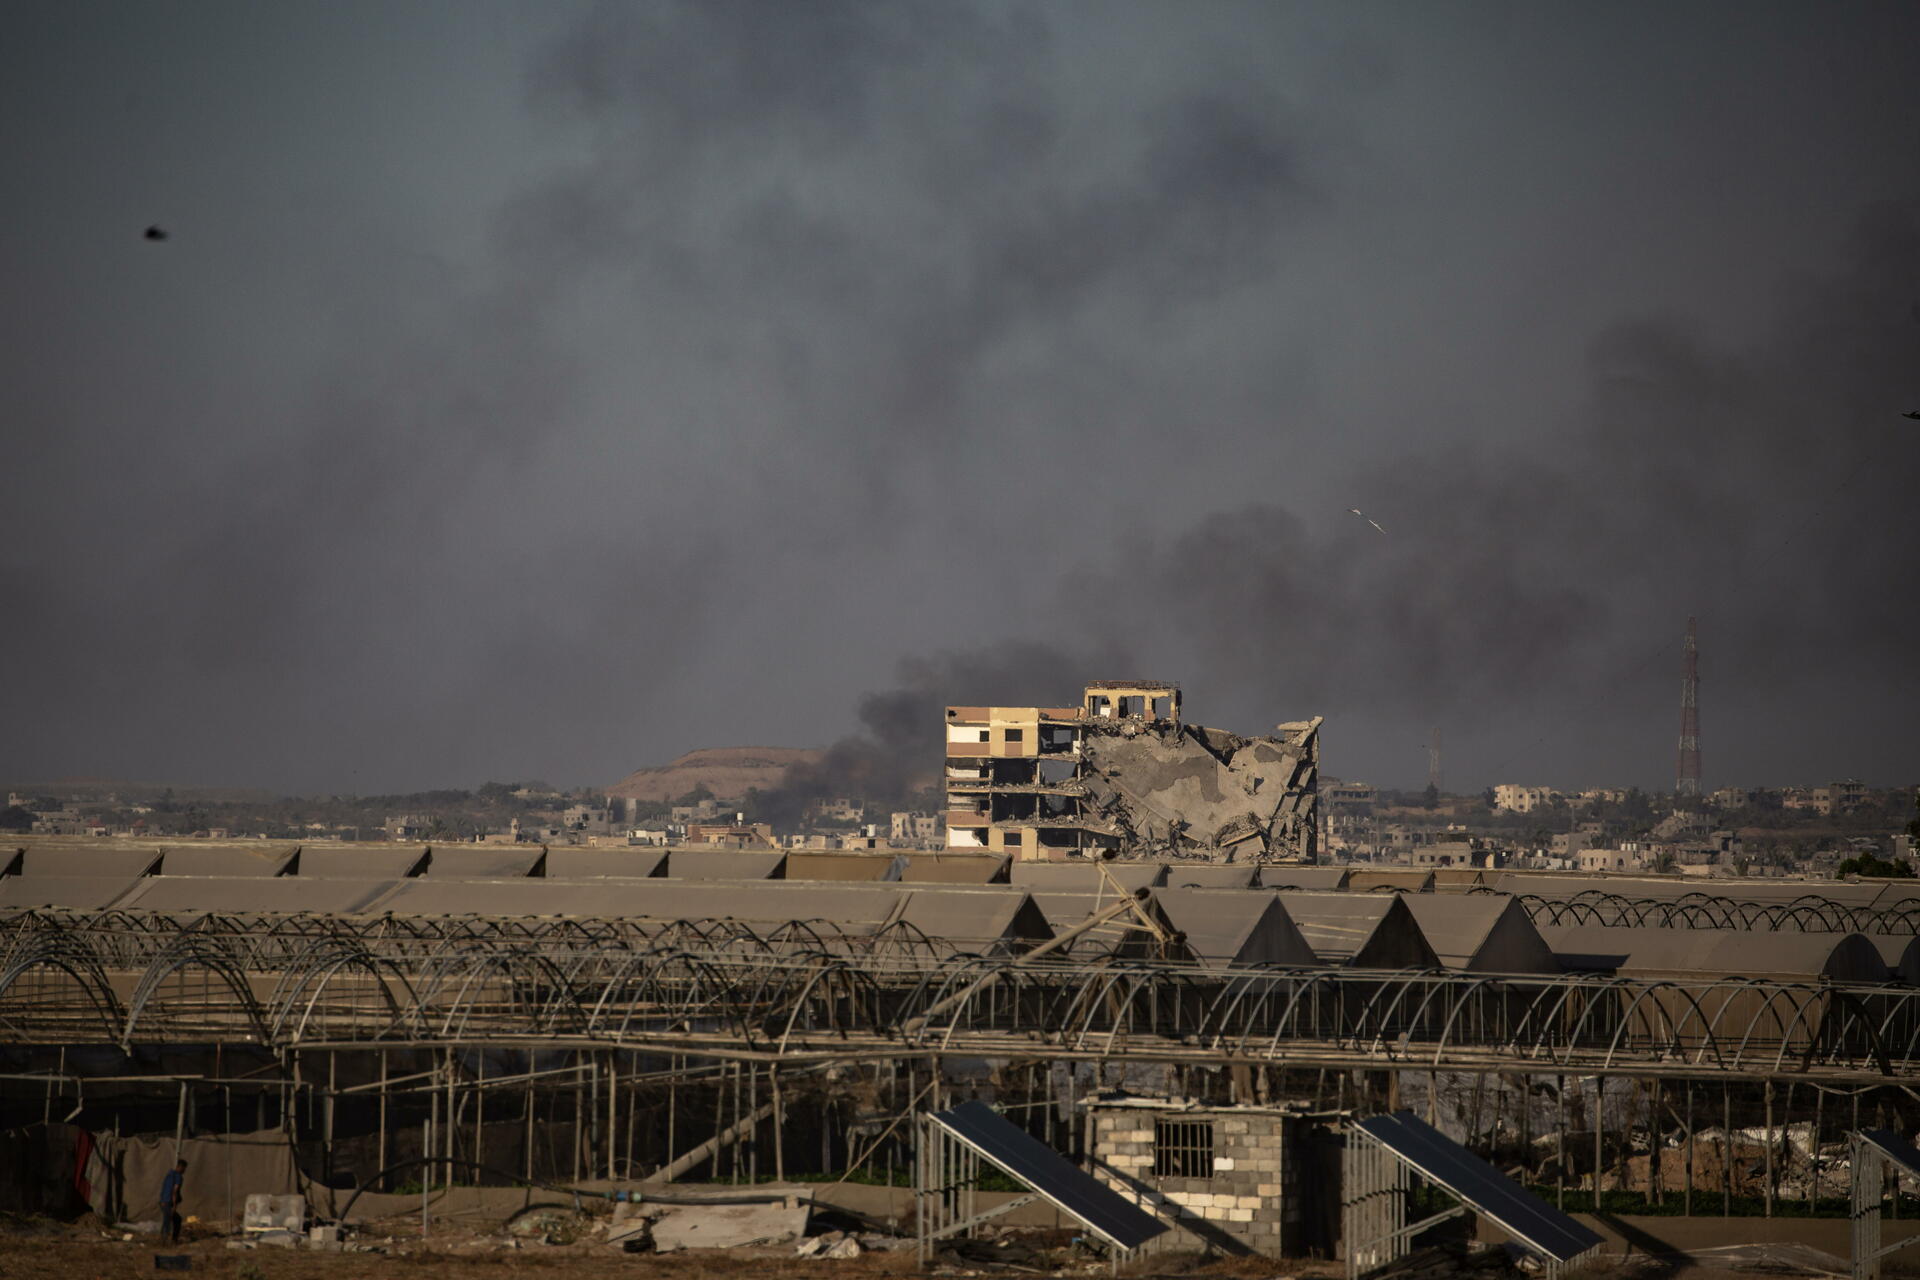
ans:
(1868, 865)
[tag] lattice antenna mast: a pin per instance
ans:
(1433, 758)
(1687, 781)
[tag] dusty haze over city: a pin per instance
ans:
(544, 390)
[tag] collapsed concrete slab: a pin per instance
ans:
(1122, 773)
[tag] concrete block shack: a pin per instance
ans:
(1235, 1179)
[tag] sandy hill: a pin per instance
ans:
(728, 772)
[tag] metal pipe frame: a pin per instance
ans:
(709, 988)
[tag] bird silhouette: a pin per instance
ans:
(1364, 516)
(1915, 415)
(156, 233)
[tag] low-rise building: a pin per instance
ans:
(1264, 1179)
(1516, 798)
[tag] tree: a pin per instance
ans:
(1869, 865)
(14, 818)
(1430, 798)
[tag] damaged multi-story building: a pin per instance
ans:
(1123, 773)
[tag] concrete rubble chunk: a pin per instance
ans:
(727, 1226)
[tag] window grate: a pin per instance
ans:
(1183, 1148)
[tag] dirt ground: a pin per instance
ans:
(37, 1249)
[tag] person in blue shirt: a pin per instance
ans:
(170, 1192)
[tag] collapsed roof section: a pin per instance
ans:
(1123, 773)
(1165, 787)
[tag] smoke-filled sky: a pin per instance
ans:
(545, 390)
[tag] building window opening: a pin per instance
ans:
(1016, 735)
(1183, 1148)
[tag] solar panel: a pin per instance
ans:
(1101, 1209)
(1441, 1160)
(1894, 1147)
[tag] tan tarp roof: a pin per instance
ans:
(226, 860)
(245, 894)
(371, 862)
(1199, 875)
(1717, 953)
(1065, 910)
(1284, 876)
(805, 864)
(41, 861)
(73, 893)
(1481, 933)
(588, 864)
(485, 862)
(1560, 886)
(1902, 954)
(726, 864)
(974, 916)
(1235, 927)
(965, 916)
(1084, 877)
(953, 868)
(1365, 930)
(1367, 880)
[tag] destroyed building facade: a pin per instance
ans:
(1123, 773)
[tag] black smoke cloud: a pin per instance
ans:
(898, 751)
(548, 397)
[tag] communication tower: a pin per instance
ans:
(1687, 782)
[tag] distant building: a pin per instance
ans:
(1354, 797)
(757, 835)
(587, 819)
(1842, 796)
(915, 828)
(1122, 772)
(1515, 798)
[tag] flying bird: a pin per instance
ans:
(1364, 516)
(156, 233)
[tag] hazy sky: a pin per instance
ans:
(545, 390)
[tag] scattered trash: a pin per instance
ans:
(550, 1224)
(274, 1213)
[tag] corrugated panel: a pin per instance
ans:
(244, 894)
(216, 860)
(70, 893)
(1492, 1194)
(1097, 1207)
